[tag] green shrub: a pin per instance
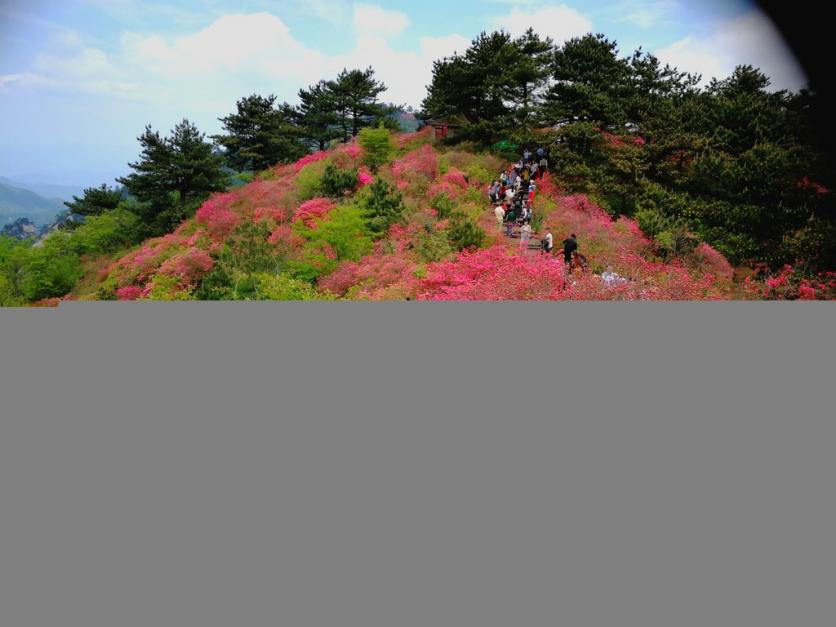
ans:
(108, 232)
(382, 206)
(343, 236)
(477, 174)
(50, 270)
(377, 146)
(464, 233)
(309, 181)
(336, 181)
(285, 288)
(443, 204)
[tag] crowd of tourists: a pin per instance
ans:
(513, 192)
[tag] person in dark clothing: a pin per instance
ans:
(570, 246)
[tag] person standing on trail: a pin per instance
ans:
(499, 212)
(548, 243)
(570, 246)
(493, 192)
(534, 170)
(510, 220)
(544, 166)
(526, 156)
(525, 237)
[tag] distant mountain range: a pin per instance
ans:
(39, 203)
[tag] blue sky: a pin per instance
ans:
(79, 79)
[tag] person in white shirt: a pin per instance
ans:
(499, 212)
(525, 237)
(548, 243)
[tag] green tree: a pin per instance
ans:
(260, 134)
(590, 82)
(377, 146)
(96, 200)
(316, 114)
(173, 175)
(382, 206)
(354, 94)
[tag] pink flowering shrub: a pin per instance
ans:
(189, 267)
(455, 177)
(218, 216)
(130, 292)
(788, 284)
(494, 274)
(364, 178)
(313, 210)
(308, 159)
(421, 162)
(372, 277)
(709, 260)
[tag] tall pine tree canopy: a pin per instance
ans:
(354, 96)
(260, 134)
(174, 174)
(317, 116)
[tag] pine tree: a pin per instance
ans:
(354, 94)
(259, 134)
(96, 200)
(316, 115)
(173, 175)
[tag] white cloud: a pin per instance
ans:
(559, 22)
(643, 13)
(89, 62)
(371, 20)
(440, 47)
(749, 39)
(203, 72)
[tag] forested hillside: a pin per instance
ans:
(674, 191)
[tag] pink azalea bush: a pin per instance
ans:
(494, 273)
(129, 292)
(364, 178)
(710, 260)
(420, 162)
(218, 216)
(372, 277)
(189, 267)
(313, 210)
(308, 159)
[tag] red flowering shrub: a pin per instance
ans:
(709, 260)
(422, 162)
(189, 266)
(308, 159)
(372, 277)
(455, 177)
(313, 210)
(130, 292)
(364, 178)
(494, 274)
(218, 216)
(788, 284)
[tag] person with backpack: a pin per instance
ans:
(510, 221)
(570, 246)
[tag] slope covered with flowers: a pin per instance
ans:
(282, 237)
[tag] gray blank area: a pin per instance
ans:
(418, 465)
